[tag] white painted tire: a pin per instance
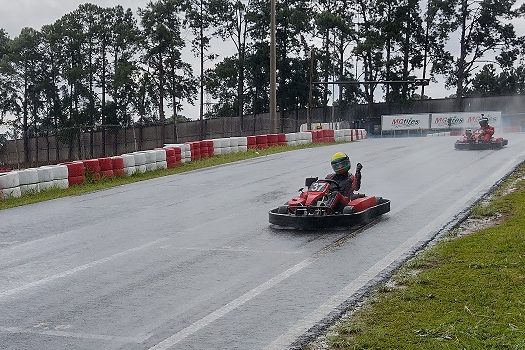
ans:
(225, 142)
(60, 172)
(13, 192)
(30, 188)
(44, 186)
(129, 160)
(217, 151)
(141, 169)
(347, 132)
(292, 143)
(234, 149)
(61, 183)
(140, 158)
(9, 180)
(160, 155)
(151, 166)
(27, 177)
(130, 170)
(45, 174)
(290, 137)
(226, 150)
(162, 165)
(151, 156)
(243, 141)
(234, 142)
(243, 148)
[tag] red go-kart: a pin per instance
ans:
(323, 206)
(472, 141)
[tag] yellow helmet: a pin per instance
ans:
(340, 163)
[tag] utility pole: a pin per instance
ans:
(310, 89)
(273, 72)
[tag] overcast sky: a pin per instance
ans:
(16, 14)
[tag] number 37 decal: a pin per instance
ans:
(317, 187)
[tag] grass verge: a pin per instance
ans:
(55, 193)
(463, 293)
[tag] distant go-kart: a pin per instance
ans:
(472, 141)
(323, 206)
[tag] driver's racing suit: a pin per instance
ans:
(347, 182)
(486, 133)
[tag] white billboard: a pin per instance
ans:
(405, 122)
(463, 120)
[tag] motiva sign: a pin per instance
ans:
(463, 120)
(404, 122)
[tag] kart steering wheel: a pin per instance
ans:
(332, 182)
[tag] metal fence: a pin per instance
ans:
(87, 142)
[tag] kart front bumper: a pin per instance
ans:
(310, 222)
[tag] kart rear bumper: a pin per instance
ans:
(480, 145)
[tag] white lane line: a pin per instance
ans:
(62, 334)
(232, 305)
(286, 339)
(222, 311)
(17, 290)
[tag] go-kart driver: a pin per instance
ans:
(346, 181)
(486, 131)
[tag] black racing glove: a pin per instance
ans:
(358, 168)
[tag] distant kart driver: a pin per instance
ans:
(486, 131)
(346, 181)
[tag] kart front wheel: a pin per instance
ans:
(348, 210)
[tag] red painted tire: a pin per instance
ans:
(118, 163)
(282, 143)
(273, 139)
(105, 164)
(281, 138)
(92, 165)
(252, 146)
(170, 152)
(76, 180)
(119, 172)
(251, 140)
(107, 173)
(262, 139)
(75, 169)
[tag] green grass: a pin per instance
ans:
(467, 293)
(91, 186)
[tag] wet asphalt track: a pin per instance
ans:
(189, 261)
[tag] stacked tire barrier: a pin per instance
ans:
(28, 179)
(17, 183)
(92, 168)
(129, 164)
(76, 173)
(106, 167)
(60, 176)
(118, 166)
(10, 185)
(173, 157)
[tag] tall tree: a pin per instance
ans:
(483, 27)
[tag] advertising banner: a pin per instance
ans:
(463, 120)
(405, 122)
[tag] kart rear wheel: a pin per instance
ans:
(283, 209)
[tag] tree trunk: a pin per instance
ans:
(463, 52)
